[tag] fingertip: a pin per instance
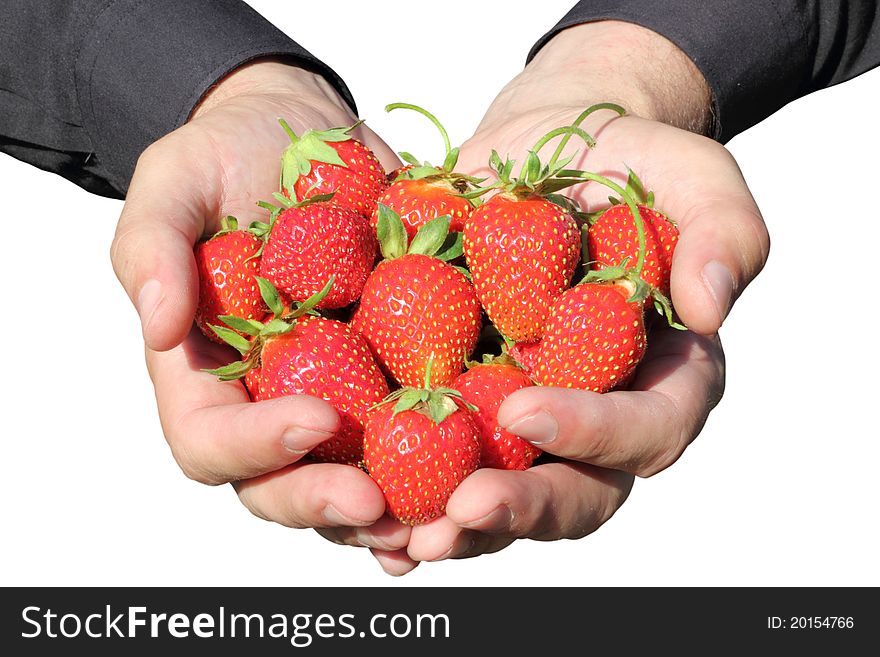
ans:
(520, 403)
(352, 497)
(166, 310)
(395, 563)
(434, 540)
(303, 411)
(703, 292)
(482, 501)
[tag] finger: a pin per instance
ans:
(152, 251)
(396, 563)
(642, 430)
(547, 502)
(214, 432)
(722, 248)
(314, 495)
(439, 539)
(385, 534)
(444, 539)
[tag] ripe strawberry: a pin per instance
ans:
(296, 354)
(311, 241)
(613, 237)
(522, 251)
(252, 384)
(594, 338)
(331, 161)
(419, 191)
(486, 386)
(419, 450)
(325, 358)
(227, 264)
(526, 355)
(417, 201)
(414, 306)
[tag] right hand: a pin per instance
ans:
(224, 160)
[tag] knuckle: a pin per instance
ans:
(193, 469)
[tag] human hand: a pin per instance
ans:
(607, 439)
(222, 162)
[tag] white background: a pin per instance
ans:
(780, 488)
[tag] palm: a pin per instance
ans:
(235, 149)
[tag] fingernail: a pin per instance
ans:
(333, 516)
(368, 539)
(148, 301)
(458, 548)
(500, 518)
(719, 281)
(300, 440)
(539, 428)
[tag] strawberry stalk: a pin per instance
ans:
(577, 122)
(450, 159)
(451, 156)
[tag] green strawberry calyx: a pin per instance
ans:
(311, 146)
(504, 358)
(420, 170)
(435, 403)
(283, 321)
(433, 239)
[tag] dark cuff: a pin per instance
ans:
(145, 65)
(753, 53)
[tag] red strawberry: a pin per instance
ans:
(420, 191)
(331, 161)
(324, 358)
(252, 384)
(296, 354)
(613, 237)
(522, 252)
(398, 172)
(312, 241)
(526, 355)
(418, 452)
(227, 264)
(415, 306)
(594, 338)
(486, 386)
(418, 201)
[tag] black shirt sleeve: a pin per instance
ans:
(87, 85)
(756, 55)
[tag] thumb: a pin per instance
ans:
(152, 251)
(723, 246)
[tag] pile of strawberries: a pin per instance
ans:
(373, 291)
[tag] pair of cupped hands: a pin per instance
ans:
(226, 157)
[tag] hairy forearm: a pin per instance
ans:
(617, 62)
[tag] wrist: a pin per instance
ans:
(623, 63)
(271, 77)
